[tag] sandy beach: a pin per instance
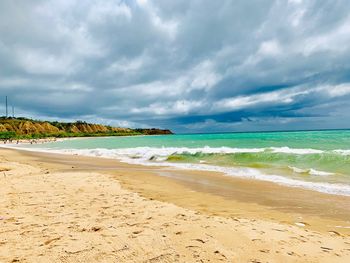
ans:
(60, 208)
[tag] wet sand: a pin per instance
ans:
(68, 208)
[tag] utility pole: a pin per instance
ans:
(13, 111)
(6, 108)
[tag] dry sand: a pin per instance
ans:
(68, 209)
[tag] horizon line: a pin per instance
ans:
(268, 131)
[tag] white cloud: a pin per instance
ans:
(125, 65)
(295, 2)
(170, 108)
(167, 26)
(142, 2)
(284, 96)
(269, 48)
(79, 87)
(337, 90)
(335, 40)
(40, 62)
(204, 76)
(297, 17)
(107, 8)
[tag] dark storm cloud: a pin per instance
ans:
(186, 65)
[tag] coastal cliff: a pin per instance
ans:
(12, 128)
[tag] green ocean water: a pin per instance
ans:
(303, 158)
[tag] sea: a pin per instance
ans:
(314, 160)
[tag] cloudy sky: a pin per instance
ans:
(192, 66)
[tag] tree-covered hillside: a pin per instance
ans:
(23, 128)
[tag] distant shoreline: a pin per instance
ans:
(28, 129)
(58, 139)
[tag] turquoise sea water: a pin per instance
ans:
(317, 160)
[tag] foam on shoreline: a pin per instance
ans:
(145, 156)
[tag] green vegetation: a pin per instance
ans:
(7, 135)
(23, 128)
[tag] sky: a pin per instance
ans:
(190, 66)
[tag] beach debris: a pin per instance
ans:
(47, 242)
(279, 230)
(302, 224)
(78, 251)
(219, 253)
(326, 248)
(96, 228)
(192, 246)
(334, 233)
(199, 240)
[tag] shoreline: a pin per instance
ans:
(9, 142)
(55, 139)
(253, 196)
(103, 210)
(232, 172)
(29, 141)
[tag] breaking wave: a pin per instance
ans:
(161, 157)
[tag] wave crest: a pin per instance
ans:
(143, 155)
(309, 171)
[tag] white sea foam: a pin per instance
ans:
(310, 171)
(148, 152)
(342, 152)
(161, 153)
(167, 151)
(320, 173)
(143, 155)
(295, 151)
(298, 170)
